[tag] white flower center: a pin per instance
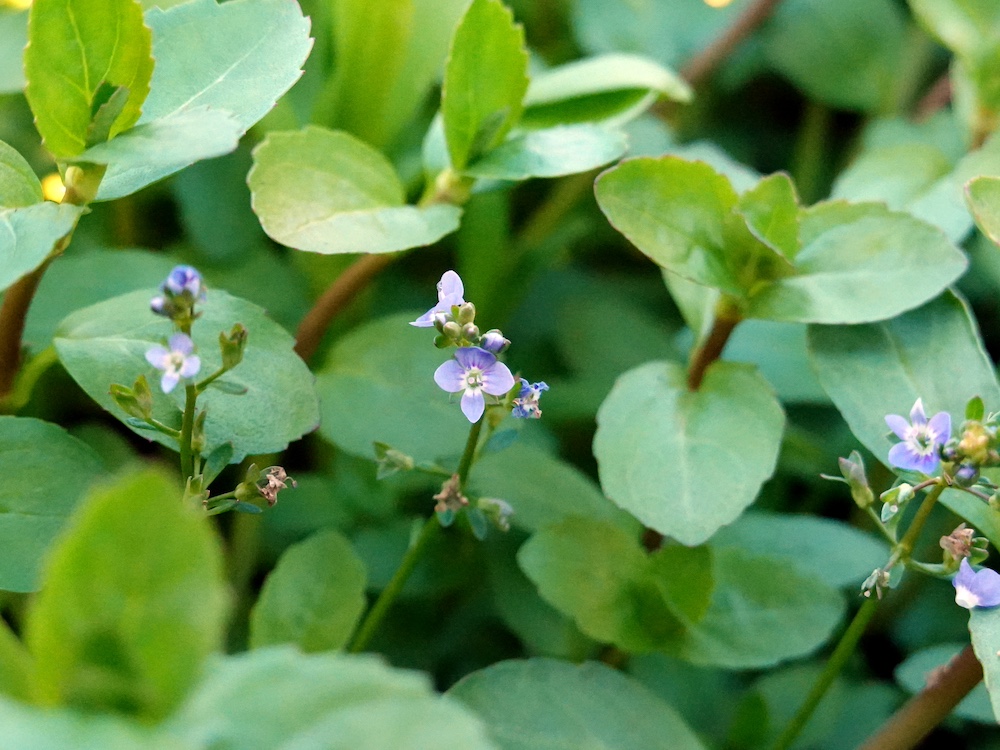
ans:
(965, 598)
(921, 439)
(473, 379)
(175, 361)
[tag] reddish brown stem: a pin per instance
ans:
(336, 297)
(710, 350)
(702, 65)
(13, 313)
(928, 708)
(936, 98)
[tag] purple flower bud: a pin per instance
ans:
(494, 341)
(966, 475)
(976, 588)
(185, 280)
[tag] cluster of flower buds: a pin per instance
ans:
(974, 449)
(475, 371)
(178, 295)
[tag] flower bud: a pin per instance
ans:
(494, 341)
(389, 460)
(966, 475)
(136, 401)
(853, 469)
(470, 332)
(466, 313)
(975, 442)
(452, 330)
(232, 346)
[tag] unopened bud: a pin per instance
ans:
(466, 313)
(232, 346)
(136, 401)
(966, 475)
(494, 341)
(853, 469)
(470, 332)
(452, 330)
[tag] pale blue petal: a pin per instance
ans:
(497, 379)
(917, 415)
(473, 356)
(190, 367)
(451, 286)
(169, 381)
(898, 425)
(182, 343)
(157, 357)
(450, 376)
(473, 405)
(940, 426)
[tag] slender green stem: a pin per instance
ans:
(187, 431)
(881, 526)
(201, 386)
(905, 547)
(470, 452)
(848, 642)
(160, 427)
(376, 614)
(810, 151)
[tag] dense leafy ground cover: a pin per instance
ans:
(461, 374)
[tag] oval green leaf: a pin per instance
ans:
(313, 597)
(13, 37)
(328, 192)
(74, 48)
(485, 79)
(984, 625)
(133, 602)
(106, 343)
(40, 491)
(983, 195)
(19, 186)
(27, 236)
(658, 443)
(549, 703)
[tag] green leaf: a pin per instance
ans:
(657, 444)
(75, 47)
(983, 195)
(964, 26)
(485, 80)
(27, 236)
(933, 353)
(845, 55)
(133, 602)
(19, 186)
(984, 625)
(600, 576)
(377, 384)
(612, 87)
(829, 551)
(16, 666)
(263, 41)
(919, 670)
(39, 492)
(763, 611)
(153, 150)
(779, 351)
(771, 211)
(327, 192)
(859, 263)
(336, 702)
(13, 37)
(675, 212)
(106, 343)
(552, 152)
(543, 490)
(29, 727)
(109, 273)
(313, 597)
(549, 703)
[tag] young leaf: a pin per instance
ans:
(99, 343)
(771, 211)
(39, 492)
(552, 152)
(983, 196)
(27, 236)
(686, 463)
(133, 602)
(19, 186)
(328, 192)
(75, 47)
(859, 263)
(351, 701)
(612, 88)
(485, 80)
(313, 597)
(597, 707)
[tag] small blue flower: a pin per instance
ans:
(450, 291)
(474, 371)
(976, 588)
(526, 403)
(179, 361)
(921, 438)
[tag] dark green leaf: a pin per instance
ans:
(328, 192)
(107, 342)
(485, 80)
(313, 597)
(74, 47)
(539, 703)
(41, 489)
(133, 602)
(657, 444)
